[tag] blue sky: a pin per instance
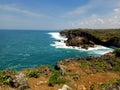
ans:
(59, 14)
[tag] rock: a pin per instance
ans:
(65, 87)
(114, 42)
(75, 77)
(60, 67)
(47, 71)
(19, 81)
(81, 38)
(113, 88)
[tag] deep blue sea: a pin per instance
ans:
(21, 49)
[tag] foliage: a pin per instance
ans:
(84, 64)
(6, 76)
(34, 74)
(102, 34)
(56, 79)
(117, 52)
(112, 83)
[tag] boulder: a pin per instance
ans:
(20, 81)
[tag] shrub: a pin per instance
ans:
(4, 78)
(117, 52)
(34, 74)
(56, 79)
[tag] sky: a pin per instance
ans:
(59, 14)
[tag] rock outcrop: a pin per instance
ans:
(83, 39)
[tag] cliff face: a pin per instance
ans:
(85, 39)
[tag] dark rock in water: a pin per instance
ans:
(81, 38)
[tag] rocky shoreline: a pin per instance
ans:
(90, 73)
(84, 38)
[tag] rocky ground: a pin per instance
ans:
(91, 73)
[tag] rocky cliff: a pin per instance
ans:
(89, 38)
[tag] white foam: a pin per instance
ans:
(93, 50)
(57, 36)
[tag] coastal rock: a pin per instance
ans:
(80, 39)
(83, 39)
(114, 42)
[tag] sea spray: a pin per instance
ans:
(59, 43)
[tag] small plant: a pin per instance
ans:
(117, 82)
(34, 74)
(84, 64)
(56, 79)
(5, 78)
(117, 52)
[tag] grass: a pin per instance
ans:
(56, 78)
(102, 34)
(34, 74)
(110, 83)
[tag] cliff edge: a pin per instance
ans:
(89, 38)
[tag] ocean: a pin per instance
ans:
(20, 49)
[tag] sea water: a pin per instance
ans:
(21, 49)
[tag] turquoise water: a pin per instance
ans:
(21, 49)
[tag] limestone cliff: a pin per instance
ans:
(89, 38)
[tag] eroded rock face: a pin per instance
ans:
(114, 42)
(84, 40)
(80, 39)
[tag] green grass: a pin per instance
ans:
(102, 34)
(34, 74)
(56, 78)
(85, 64)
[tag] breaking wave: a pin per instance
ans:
(59, 43)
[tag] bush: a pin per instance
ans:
(34, 74)
(6, 76)
(56, 79)
(117, 52)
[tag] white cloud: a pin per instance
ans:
(18, 10)
(111, 20)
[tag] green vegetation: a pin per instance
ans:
(85, 64)
(6, 76)
(117, 52)
(102, 34)
(56, 78)
(101, 64)
(112, 83)
(34, 74)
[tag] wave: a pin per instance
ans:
(59, 43)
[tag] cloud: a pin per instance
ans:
(110, 20)
(18, 10)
